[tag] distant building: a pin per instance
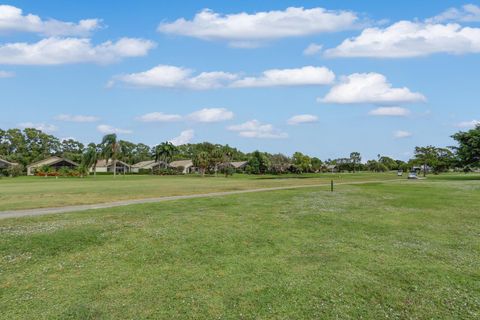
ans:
(107, 166)
(332, 168)
(4, 164)
(54, 163)
(239, 165)
(186, 165)
(148, 165)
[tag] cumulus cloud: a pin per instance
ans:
(6, 74)
(211, 115)
(159, 117)
(250, 30)
(312, 49)
(256, 129)
(302, 118)
(406, 39)
(76, 118)
(12, 20)
(467, 13)
(390, 112)
(164, 76)
(107, 129)
(185, 137)
(369, 88)
(400, 134)
(56, 51)
(307, 75)
(45, 127)
(468, 124)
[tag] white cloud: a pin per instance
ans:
(369, 88)
(390, 112)
(468, 124)
(107, 129)
(256, 129)
(76, 118)
(12, 19)
(250, 30)
(468, 13)
(55, 51)
(6, 74)
(312, 49)
(164, 76)
(307, 75)
(184, 137)
(45, 127)
(159, 117)
(410, 39)
(302, 118)
(211, 115)
(399, 134)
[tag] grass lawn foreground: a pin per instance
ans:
(401, 250)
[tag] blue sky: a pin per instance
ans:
(408, 75)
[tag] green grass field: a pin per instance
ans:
(39, 192)
(399, 250)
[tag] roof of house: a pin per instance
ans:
(50, 161)
(8, 162)
(238, 164)
(104, 163)
(331, 166)
(181, 163)
(148, 164)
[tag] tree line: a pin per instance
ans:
(31, 145)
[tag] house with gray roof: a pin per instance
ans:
(54, 163)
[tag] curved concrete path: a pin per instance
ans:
(43, 211)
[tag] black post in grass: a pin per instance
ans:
(331, 185)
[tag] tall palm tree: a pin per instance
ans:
(110, 150)
(201, 160)
(165, 152)
(89, 159)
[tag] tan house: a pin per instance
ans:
(4, 164)
(148, 165)
(107, 166)
(185, 165)
(239, 165)
(54, 163)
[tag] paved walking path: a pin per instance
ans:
(43, 211)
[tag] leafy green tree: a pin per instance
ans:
(111, 149)
(439, 159)
(258, 163)
(468, 149)
(302, 162)
(388, 162)
(279, 163)
(72, 149)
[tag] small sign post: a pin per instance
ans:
(331, 185)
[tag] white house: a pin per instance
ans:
(107, 166)
(148, 165)
(185, 165)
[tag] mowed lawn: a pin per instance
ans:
(40, 192)
(399, 250)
